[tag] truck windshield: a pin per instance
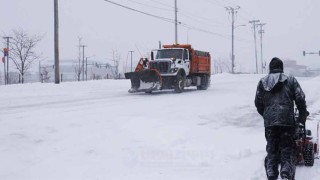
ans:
(169, 53)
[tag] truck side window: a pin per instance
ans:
(185, 54)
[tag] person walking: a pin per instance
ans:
(275, 98)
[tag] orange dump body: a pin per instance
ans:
(200, 60)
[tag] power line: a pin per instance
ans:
(147, 5)
(173, 21)
(181, 11)
(217, 2)
(202, 19)
(249, 16)
(141, 12)
(213, 33)
(243, 18)
(163, 4)
(204, 31)
(197, 17)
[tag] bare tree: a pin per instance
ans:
(45, 74)
(116, 62)
(77, 70)
(222, 66)
(227, 66)
(218, 65)
(22, 50)
(14, 78)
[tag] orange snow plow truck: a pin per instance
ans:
(173, 67)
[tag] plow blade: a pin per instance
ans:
(144, 81)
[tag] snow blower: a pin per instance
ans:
(307, 145)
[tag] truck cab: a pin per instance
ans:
(170, 60)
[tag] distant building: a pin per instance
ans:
(69, 69)
(44, 72)
(292, 68)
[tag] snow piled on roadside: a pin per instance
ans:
(96, 130)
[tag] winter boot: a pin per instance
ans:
(271, 169)
(272, 177)
(285, 176)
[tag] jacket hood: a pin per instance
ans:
(271, 80)
(276, 65)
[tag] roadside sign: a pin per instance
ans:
(5, 51)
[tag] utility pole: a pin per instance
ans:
(86, 68)
(131, 59)
(79, 59)
(253, 22)
(232, 11)
(176, 21)
(4, 70)
(8, 51)
(83, 46)
(261, 31)
(40, 76)
(56, 43)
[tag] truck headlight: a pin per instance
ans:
(173, 70)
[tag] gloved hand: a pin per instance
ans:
(303, 116)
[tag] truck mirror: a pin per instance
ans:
(152, 57)
(304, 53)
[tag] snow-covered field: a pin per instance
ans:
(98, 131)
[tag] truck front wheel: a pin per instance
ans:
(179, 83)
(205, 82)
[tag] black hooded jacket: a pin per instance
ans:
(275, 97)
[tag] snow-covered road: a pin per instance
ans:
(97, 130)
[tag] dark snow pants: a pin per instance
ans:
(281, 149)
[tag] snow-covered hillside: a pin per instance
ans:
(97, 130)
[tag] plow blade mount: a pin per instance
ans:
(144, 81)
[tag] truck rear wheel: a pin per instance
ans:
(179, 83)
(205, 82)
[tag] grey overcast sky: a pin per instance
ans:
(292, 26)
